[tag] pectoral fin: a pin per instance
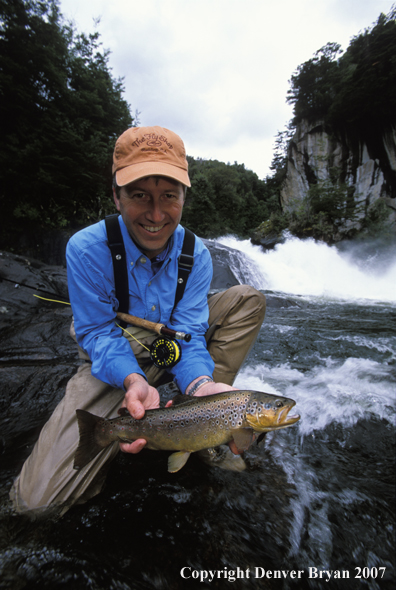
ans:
(177, 460)
(243, 438)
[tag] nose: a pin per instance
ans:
(155, 214)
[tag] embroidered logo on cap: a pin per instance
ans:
(152, 139)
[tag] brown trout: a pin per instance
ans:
(191, 424)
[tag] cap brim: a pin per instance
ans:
(136, 171)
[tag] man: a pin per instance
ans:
(150, 178)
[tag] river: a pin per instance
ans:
(315, 507)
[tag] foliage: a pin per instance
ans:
(354, 90)
(313, 85)
(61, 112)
(327, 205)
(226, 198)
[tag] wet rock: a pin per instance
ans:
(266, 236)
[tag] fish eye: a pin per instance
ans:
(278, 403)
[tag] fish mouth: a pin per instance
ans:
(273, 420)
(286, 419)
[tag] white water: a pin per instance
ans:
(344, 391)
(309, 268)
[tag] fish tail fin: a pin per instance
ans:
(88, 446)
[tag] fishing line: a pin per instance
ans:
(52, 300)
(16, 284)
(138, 341)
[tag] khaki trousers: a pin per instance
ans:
(48, 480)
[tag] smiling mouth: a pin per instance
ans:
(153, 229)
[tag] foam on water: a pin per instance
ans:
(306, 267)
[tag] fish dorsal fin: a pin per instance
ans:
(177, 460)
(243, 438)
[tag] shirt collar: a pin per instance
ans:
(162, 255)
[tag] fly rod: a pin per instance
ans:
(158, 328)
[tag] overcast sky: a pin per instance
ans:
(216, 71)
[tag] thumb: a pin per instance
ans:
(136, 409)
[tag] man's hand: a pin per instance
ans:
(211, 388)
(139, 397)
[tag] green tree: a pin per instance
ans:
(61, 111)
(200, 213)
(365, 97)
(355, 91)
(226, 198)
(313, 84)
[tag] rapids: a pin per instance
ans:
(316, 497)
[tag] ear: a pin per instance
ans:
(116, 201)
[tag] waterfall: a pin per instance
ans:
(310, 268)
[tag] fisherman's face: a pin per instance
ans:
(151, 209)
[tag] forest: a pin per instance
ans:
(62, 110)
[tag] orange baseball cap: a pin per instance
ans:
(149, 151)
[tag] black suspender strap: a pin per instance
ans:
(117, 249)
(185, 262)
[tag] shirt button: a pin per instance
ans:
(153, 308)
(131, 263)
(143, 260)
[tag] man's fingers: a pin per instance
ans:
(134, 447)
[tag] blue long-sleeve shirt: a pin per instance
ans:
(151, 296)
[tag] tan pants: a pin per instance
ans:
(48, 480)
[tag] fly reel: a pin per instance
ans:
(165, 353)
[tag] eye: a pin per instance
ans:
(278, 404)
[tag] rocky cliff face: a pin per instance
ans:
(317, 154)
